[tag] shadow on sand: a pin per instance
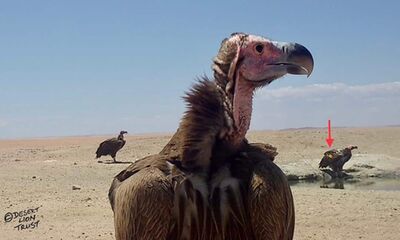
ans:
(112, 162)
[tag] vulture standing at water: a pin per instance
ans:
(111, 146)
(208, 182)
(335, 159)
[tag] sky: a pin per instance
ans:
(97, 67)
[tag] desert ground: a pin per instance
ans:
(39, 174)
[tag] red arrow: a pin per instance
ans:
(329, 140)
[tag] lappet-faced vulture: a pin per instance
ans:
(111, 146)
(208, 182)
(335, 159)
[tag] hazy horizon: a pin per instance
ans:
(172, 132)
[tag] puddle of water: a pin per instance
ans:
(353, 184)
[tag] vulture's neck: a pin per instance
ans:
(239, 107)
(121, 137)
(242, 109)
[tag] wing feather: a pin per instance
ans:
(271, 202)
(142, 199)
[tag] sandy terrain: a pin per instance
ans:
(39, 175)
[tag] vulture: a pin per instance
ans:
(209, 182)
(335, 159)
(111, 146)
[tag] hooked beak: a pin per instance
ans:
(295, 59)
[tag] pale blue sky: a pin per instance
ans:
(96, 67)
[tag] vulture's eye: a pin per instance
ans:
(259, 48)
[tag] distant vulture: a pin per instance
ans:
(335, 159)
(208, 182)
(111, 146)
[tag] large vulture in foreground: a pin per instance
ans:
(208, 182)
(335, 159)
(111, 146)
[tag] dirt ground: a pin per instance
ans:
(38, 176)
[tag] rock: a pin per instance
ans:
(363, 166)
(292, 177)
(301, 170)
(380, 165)
(351, 170)
(76, 187)
(360, 166)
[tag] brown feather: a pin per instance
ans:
(335, 159)
(138, 213)
(150, 186)
(271, 202)
(215, 190)
(201, 124)
(111, 146)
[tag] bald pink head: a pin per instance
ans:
(260, 60)
(250, 61)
